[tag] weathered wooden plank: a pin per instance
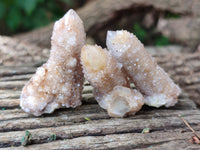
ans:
(16, 70)
(155, 119)
(182, 144)
(17, 85)
(9, 103)
(184, 69)
(19, 77)
(13, 89)
(56, 119)
(71, 125)
(7, 114)
(117, 141)
(10, 99)
(184, 30)
(16, 77)
(18, 120)
(16, 114)
(5, 94)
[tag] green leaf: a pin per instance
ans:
(2, 10)
(146, 130)
(172, 16)
(27, 5)
(69, 2)
(162, 41)
(8, 2)
(86, 118)
(140, 32)
(40, 18)
(52, 137)
(23, 15)
(26, 140)
(13, 18)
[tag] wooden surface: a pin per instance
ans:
(73, 131)
(184, 30)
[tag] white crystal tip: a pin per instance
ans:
(70, 12)
(71, 15)
(110, 33)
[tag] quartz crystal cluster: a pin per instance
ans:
(58, 83)
(111, 86)
(143, 71)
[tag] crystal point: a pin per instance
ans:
(58, 82)
(157, 87)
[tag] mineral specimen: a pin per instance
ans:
(111, 87)
(148, 77)
(122, 101)
(58, 83)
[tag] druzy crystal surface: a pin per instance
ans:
(157, 87)
(111, 86)
(58, 82)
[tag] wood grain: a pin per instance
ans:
(73, 131)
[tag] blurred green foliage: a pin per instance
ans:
(148, 36)
(140, 32)
(161, 41)
(170, 15)
(23, 15)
